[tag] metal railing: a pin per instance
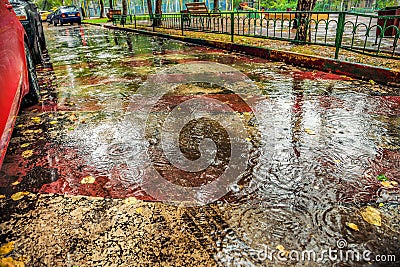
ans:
(362, 33)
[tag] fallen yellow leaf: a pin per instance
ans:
(38, 131)
(36, 119)
(27, 153)
(10, 262)
(309, 131)
(73, 117)
(25, 145)
(88, 180)
(15, 183)
(139, 210)
(19, 195)
(130, 200)
(27, 132)
(387, 184)
(2, 196)
(282, 249)
(53, 122)
(352, 226)
(371, 216)
(7, 248)
(337, 161)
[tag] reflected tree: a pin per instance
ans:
(101, 8)
(302, 19)
(158, 11)
(124, 7)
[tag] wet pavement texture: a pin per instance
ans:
(320, 170)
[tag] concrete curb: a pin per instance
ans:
(381, 75)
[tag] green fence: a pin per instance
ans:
(362, 33)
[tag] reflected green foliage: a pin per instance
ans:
(279, 4)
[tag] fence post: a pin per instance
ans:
(134, 16)
(232, 25)
(339, 33)
(182, 25)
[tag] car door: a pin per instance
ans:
(14, 82)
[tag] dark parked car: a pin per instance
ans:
(66, 14)
(49, 18)
(17, 73)
(29, 17)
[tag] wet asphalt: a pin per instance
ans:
(92, 178)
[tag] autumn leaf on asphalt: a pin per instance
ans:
(53, 122)
(371, 216)
(282, 250)
(2, 196)
(139, 210)
(27, 153)
(389, 184)
(27, 132)
(19, 195)
(352, 226)
(16, 183)
(36, 119)
(25, 145)
(309, 131)
(10, 262)
(130, 200)
(88, 180)
(7, 248)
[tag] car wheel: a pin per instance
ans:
(33, 95)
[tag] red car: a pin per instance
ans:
(18, 81)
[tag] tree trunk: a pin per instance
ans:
(302, 19)
(110, 2)
(158, 12)
(150, 8)
(101, 8)
(216, 5)
(124, 7)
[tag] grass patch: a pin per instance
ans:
(96, 20)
